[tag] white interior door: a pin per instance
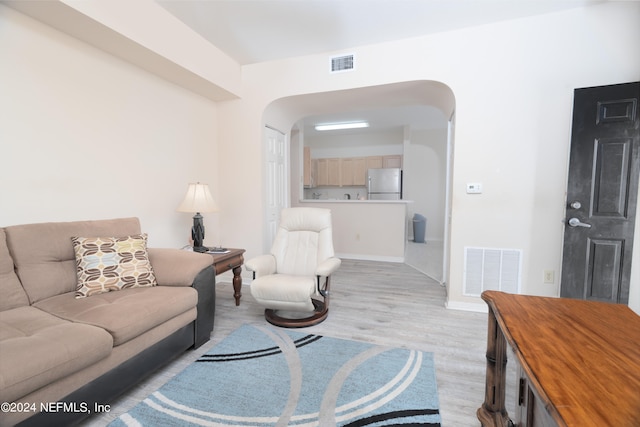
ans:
(276, 182)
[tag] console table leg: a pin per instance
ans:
(237, 283)
(493, 412)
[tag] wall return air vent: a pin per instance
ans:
(491, 269)
(342, 63)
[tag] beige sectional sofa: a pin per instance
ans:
(61, 354)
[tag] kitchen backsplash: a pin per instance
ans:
(332, 193)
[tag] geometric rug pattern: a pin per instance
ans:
(265, 376)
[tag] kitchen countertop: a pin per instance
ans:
(354, 201)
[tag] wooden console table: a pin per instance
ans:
(579, 360)
(233, 261)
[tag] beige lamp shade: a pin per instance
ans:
(198, 199)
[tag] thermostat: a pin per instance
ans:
(474, 188)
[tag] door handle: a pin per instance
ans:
(575, 222)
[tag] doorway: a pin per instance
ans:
(276, 181)
(602, 193)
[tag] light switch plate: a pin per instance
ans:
(474, 188)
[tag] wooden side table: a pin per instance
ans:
(579, 360)
(233, 261)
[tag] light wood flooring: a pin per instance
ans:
(384, 303)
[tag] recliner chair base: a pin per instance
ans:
(319, 315)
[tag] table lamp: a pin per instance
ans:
(198, 199)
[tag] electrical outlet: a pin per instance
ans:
(549, 277)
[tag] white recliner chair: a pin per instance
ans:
(292, 281)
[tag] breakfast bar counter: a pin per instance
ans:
(355, 201)
(367, 229)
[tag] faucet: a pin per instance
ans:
(347, 196)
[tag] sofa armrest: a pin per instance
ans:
(176, 267)
(205, 285)
(261, 265)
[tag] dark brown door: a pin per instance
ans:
(602, 193)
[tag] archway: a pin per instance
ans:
(284, 113)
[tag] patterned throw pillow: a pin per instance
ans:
(106, 264)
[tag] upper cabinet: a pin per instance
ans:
(353, 171)
(374, 162)
(377, 162)
(392, 161)
(306, 168)
(328, 172)
(310, 166)
(360, 171)
(343, 172)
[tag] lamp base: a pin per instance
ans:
(197, 234)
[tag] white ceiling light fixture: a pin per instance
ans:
(339, 126)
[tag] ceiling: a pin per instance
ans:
(418, 117)
(253, 31)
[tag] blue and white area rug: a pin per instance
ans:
(266, 376)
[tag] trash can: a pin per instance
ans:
(419, 228)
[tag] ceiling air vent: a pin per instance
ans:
(342, 63)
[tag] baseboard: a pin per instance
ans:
(433, 241)
(365, 257)
(467, 306)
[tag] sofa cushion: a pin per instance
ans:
(13, 294)
(43, 253)
(106, 264)
(38, 348)
(125, 314)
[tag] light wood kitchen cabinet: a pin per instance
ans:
(374, 162)
(392, 161)
(346, 172)
(343, 172)
(353, 171)
(308, 179)
(359, 171)
(323, 172)
(333, 170)
(328, 172)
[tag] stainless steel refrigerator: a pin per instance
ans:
(384, 184)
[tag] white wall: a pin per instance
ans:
(425, 167)
(513, 84)
(84, 135)
(356, 144)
